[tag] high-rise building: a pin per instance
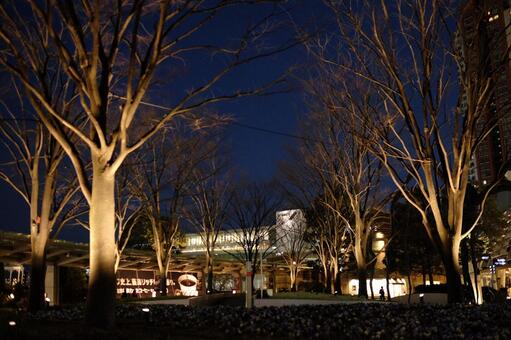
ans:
(484, 40)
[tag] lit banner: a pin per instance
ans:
(143, 283)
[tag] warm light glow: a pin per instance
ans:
(12, 323)
(146, 310)
(397, 286)
(11, 296)
(495, 17)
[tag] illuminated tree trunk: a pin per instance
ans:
(209, 271)
(37, 276)
(101, 294)
(371, 277)
(361, 235)
(293, 273)
(39, 234)
(336, 278)
(332, 279)
(387, 281)
(465, 268)
(163, 282)
(450, 259)
(326, 274)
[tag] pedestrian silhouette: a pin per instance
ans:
(382, 294)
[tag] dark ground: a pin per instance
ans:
(354, 321)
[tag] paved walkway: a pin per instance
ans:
(266, 302)
(287, 302)
(166, 302)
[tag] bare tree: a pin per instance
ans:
(351, 176)
(211, 197)
(292, 242)
(251, 220)
(35, 171)
(110, 52)
(165, 177)
(406, 54)
(332, 241)
(307, 185)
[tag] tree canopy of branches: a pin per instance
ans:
(252, 221)
(108, 52)
(406, 54)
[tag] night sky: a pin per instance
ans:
(255, 154)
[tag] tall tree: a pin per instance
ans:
(164, 181)
(252, 221)
(309, 187)
(354, 174)
(36, 170)
(211, 195)
(331, 240)
(406, 53)
(293, 243)
(110, 52)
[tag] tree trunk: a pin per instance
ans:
(362, 281)
(326, 277)
(409, 287)
(209, 269)
(465, 268)
(423, 275)
(454, 286)
(39, 234)
(430, 272)
(338, 286)
(387, 279)
(360, 257)
(328, 281)
(163, 282)
(473, 259)
(37, 277)
(101, 294)
(293, 274)
(371, 282)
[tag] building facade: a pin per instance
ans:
(484, 42)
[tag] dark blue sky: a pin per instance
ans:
(255, 153)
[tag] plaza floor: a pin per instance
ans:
(265, 302)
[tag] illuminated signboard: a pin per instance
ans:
(138, 283)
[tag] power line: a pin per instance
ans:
(246, 126)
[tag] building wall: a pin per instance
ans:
(484, 44)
